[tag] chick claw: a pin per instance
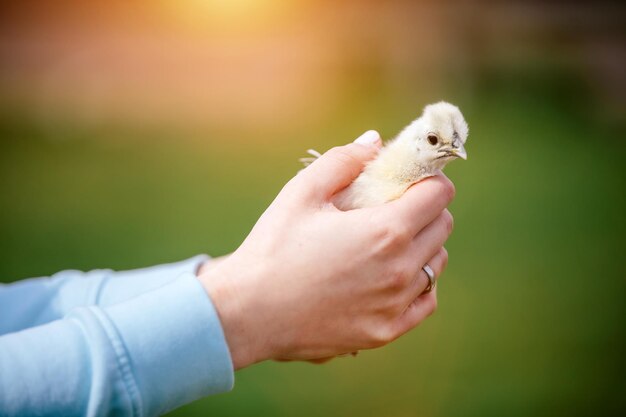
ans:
(306, 161)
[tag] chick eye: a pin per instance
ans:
(433, 139)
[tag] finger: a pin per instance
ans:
(338, 167)
(317, 361)
(420, 204)
(428, 242)
(437, 263)
(422, 307)
(321, 360)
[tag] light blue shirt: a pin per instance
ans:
(130, 343)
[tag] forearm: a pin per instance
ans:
(144, 356)
(37, 301)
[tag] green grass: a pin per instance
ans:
(531, 306)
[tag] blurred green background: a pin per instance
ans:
(143, 133)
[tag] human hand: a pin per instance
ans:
(311, 281)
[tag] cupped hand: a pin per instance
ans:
(311, 281)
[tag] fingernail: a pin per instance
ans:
(371, 137)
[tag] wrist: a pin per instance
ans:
(209, 264)
(246, 334)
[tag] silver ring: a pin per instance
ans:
(431, 277)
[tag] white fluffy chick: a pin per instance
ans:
(420, 150)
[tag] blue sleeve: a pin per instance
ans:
(36, 301)
(140, 357)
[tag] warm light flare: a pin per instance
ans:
(238, 15)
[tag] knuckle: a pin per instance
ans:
(398, 279)
(447, 188)
(448, 221)
(444, 260)
(433, 306)
(381, 336)
(391, 236)
(343, 154)
(334, 151)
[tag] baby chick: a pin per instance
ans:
(419, 151)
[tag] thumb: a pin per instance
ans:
(339, 166)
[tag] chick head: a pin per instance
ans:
(438, 135)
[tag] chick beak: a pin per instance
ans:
(459, 151)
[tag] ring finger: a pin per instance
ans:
(421, 282)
